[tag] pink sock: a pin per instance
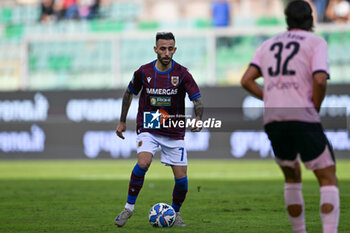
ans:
(330, 195)
(293, 196)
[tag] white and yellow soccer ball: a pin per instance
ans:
(162, 215)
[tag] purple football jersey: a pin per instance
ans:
(163, 91)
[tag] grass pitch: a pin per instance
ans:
(224, 196)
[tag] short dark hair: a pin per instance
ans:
(165, 36)
(299, 15)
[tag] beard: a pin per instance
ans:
(164, 63)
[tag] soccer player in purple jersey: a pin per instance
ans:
(295, 69)
(163, 84)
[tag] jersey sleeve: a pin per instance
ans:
(256, 60)
(135, 84)
(191, 86)
(320, 58)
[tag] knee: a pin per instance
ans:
(295, 210)
(326, 208)
(180, 174)
(292, 175)
(144, 159)
(144, 163)
(328, 181)
(326, 176)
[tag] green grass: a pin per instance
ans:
(224, 196)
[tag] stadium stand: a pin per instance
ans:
(103, 52)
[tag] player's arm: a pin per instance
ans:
(248, 81)
(194, 95)
(198, 110)
(127, 98)
(319, 89)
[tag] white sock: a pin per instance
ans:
(330, 195)
(130, 207)
(293, 196)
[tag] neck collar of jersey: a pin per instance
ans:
(297, 29)
(164, 72)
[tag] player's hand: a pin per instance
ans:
(195, 128)
(120, 129)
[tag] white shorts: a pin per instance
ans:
(173, 151)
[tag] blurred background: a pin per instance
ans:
(64, 65)
(97, 44)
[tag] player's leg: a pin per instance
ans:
(135, 185)
(147, 146)
(284, 147)
(175, 155)
(323, 165)
(293, 197)
(179, 191)
(180, 187)
(329, 199)
(137, 178)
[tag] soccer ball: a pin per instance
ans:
(162, 215)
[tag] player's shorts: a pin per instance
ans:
(292, 138)
(173, 151)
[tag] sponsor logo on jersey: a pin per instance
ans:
(175, 80)
(160, 101)
(153, 101)
(159, 91)
(282, 85)
(149, 79)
